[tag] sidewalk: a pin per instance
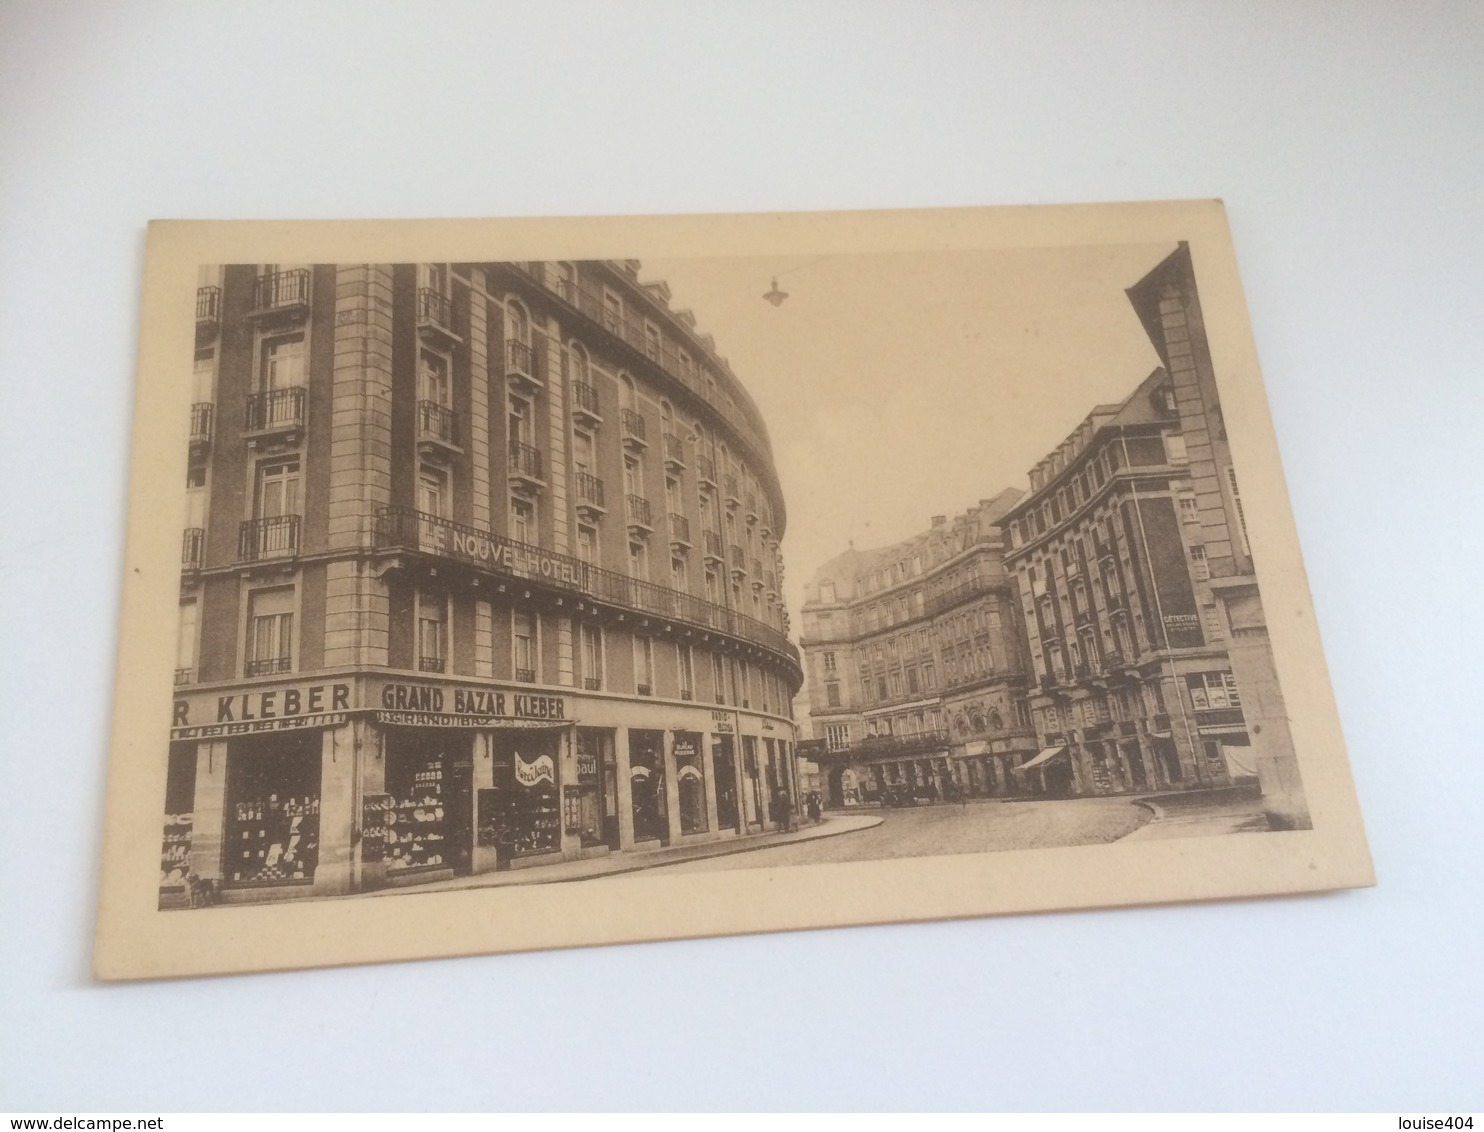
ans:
(1174, 820)
(630, 861)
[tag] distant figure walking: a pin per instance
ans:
(814, 808)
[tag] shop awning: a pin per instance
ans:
(1044, 756)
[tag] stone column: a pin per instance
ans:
(708, 767)
(672, 787)
(625, 789)
(485, 858)
(208, 815)
(337, 810)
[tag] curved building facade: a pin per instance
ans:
(480, 571)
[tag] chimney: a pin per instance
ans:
(939, 520)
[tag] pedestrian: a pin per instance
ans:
(814, 808)
(781, 809)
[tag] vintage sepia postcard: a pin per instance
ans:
(496, 585)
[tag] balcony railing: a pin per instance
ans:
(437, 422)
(590, 491)
(276, 409)
(749, 507)
(430, 664)
(520, 362)
(637, 509)
(592, 684)
(435, 309)
(185, 676)
(680, 366)
(878, 746)
(268, 666)
(959, 594)
(525, 461)
(585, 401)
(706, 470)
(674, 453)
(208, 305)
(201, 422)
(679, 529)
(281, 290)
(274, 537)
(729, 485)
(633, 426)
(757, 570)
(192, 548)
(737, 558)
(712, 541)
(407, 529)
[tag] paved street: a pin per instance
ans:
(979, 827)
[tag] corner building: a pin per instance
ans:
(1138, 592)
(480, 571)
(916, 671)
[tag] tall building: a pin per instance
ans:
(914, 665)
(480, 570)
(1140, 605)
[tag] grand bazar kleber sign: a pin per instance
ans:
(428, 705)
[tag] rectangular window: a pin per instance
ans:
(587, 545)
(592, 657)
(185, 642)
(827, 592)
(1213, 690)
(431, 632)
(643, 666)
(718, 679)
(1175, 448)
(522, 520)
(278, 489)
(1189, 512)
(837, 736)
(677, 575)
(1198, 563)
(270, 632)
(612, 312)
(829, 662)
(1231, 482)
(638, 561)
(832, 694)
(685, 665)
(283, 363)
(526, 647)
(432, 378)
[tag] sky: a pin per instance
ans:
(900, 386)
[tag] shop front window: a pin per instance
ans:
(272, 826)
(180, 804)
(520, 816)
(724, 767)
(690, 776)
(426, 816)
(270, 632)
(591, 804)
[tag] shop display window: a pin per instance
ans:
(180, 801)
(415, 816)
(521, 816)
(272, 818)
(690, 774)
(724, 766)
(590, 804)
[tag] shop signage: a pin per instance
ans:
(257, 726)
(685, 747)
(721, 721)
(524, 561)
(540, 769)
(481, 704)
(688, 774)
(264, 704)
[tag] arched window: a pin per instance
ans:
(579, 364)
(520, 322)
(667, 418)
(996, 723)
(626, 394)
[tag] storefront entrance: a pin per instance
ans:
(592, 802)
(647, 786)
(180, 804)
(724, 766)
(427, 812)
(272, 810)
(690, 774)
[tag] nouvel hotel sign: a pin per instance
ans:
(523, 561)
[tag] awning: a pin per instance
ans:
(1045, 756)
(1223, 729)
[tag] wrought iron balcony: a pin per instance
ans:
(679, 531)
(737, 559)
(637, 509)
(592, 684)
(192, 548)
(947, 599)
(643, 690)
(437, 425)
(525, 675)
(891, 746)
(435, 317)
(520, 366)
(730, 491)
(201, 423)
(281, 295)
(585, 405)
(276, 536)
(590, 504)
(430, 664)
(674, 452)
(276, 410)
(749, 507)
(493, 556)
(185, 676)
(633, 429)
(706, 471)
(527, 471)
(268, 666)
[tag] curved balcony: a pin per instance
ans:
(490, 555)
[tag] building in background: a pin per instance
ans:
(1145, 630)
(914, 666)
(480, 570)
